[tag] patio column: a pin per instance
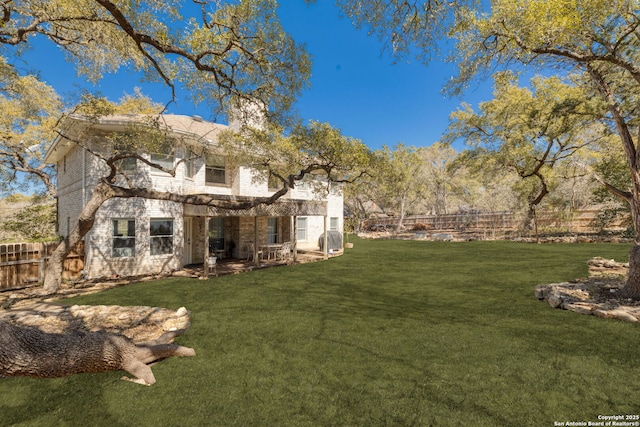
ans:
(206, 245)
(326, 239)
(255, 241)
(294, 236)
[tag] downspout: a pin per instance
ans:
(84, 174)
(87, 252)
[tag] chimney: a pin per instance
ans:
(247, 113)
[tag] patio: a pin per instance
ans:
(225, 266)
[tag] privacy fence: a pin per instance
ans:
(22, 264)
(495, 224)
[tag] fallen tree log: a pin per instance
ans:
(30, 352)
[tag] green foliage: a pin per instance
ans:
(219, 52)
(29, 112)
(17, 198)
(228, 54)
(534, 133)
(409, 28)
(441, 334)
(567, 34)
(317, 150)
(36, 223)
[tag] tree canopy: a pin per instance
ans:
(220, 52)
(534, 132)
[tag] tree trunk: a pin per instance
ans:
(632, 288)
(399, 225)
(55, 265)
(104, 191)
(31, 352)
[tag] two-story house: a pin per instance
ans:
(145, 236)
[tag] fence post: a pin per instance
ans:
(41, 266)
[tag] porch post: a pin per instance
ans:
(206, 245)
(294, 236)
(255, 241)
(326, 239)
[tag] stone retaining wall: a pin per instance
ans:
(595, 295)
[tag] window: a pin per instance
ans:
(165, 157)
(333, 223)
(215, 169)
(274, 183)
(125, 165)
(161, 236)
(124, 238)
(301, 234)
(189, 166)
(216, 234)
(302, 185)
(272, 230)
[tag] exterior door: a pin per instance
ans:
(188, 241)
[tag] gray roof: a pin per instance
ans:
(192, 127)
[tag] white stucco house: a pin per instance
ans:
(140, 236)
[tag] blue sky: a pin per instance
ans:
(354, 84)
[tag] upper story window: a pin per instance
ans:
(302, 185)
(274, 182)
(216, 169)
(164, 156)
(189, 163)
(125, 165)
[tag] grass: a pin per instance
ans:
(393, 333)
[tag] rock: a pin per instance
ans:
(580, 307)
(617, 313)
(555, 301)
(594, 295)
(541, 291)
(443, 237)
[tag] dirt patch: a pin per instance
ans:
(31, 307)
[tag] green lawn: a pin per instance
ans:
(392, 333)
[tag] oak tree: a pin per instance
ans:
(532, 132)
(235, 56)
(598, 39)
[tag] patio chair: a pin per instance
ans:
(211, 263)
(272, 251)
(284, 252)
(251, 251)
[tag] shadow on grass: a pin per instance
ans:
(391, 333)
(76, 400)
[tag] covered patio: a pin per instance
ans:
(226, 266)
(243, 239)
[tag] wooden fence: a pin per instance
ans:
(22, 264)
(581, 221)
